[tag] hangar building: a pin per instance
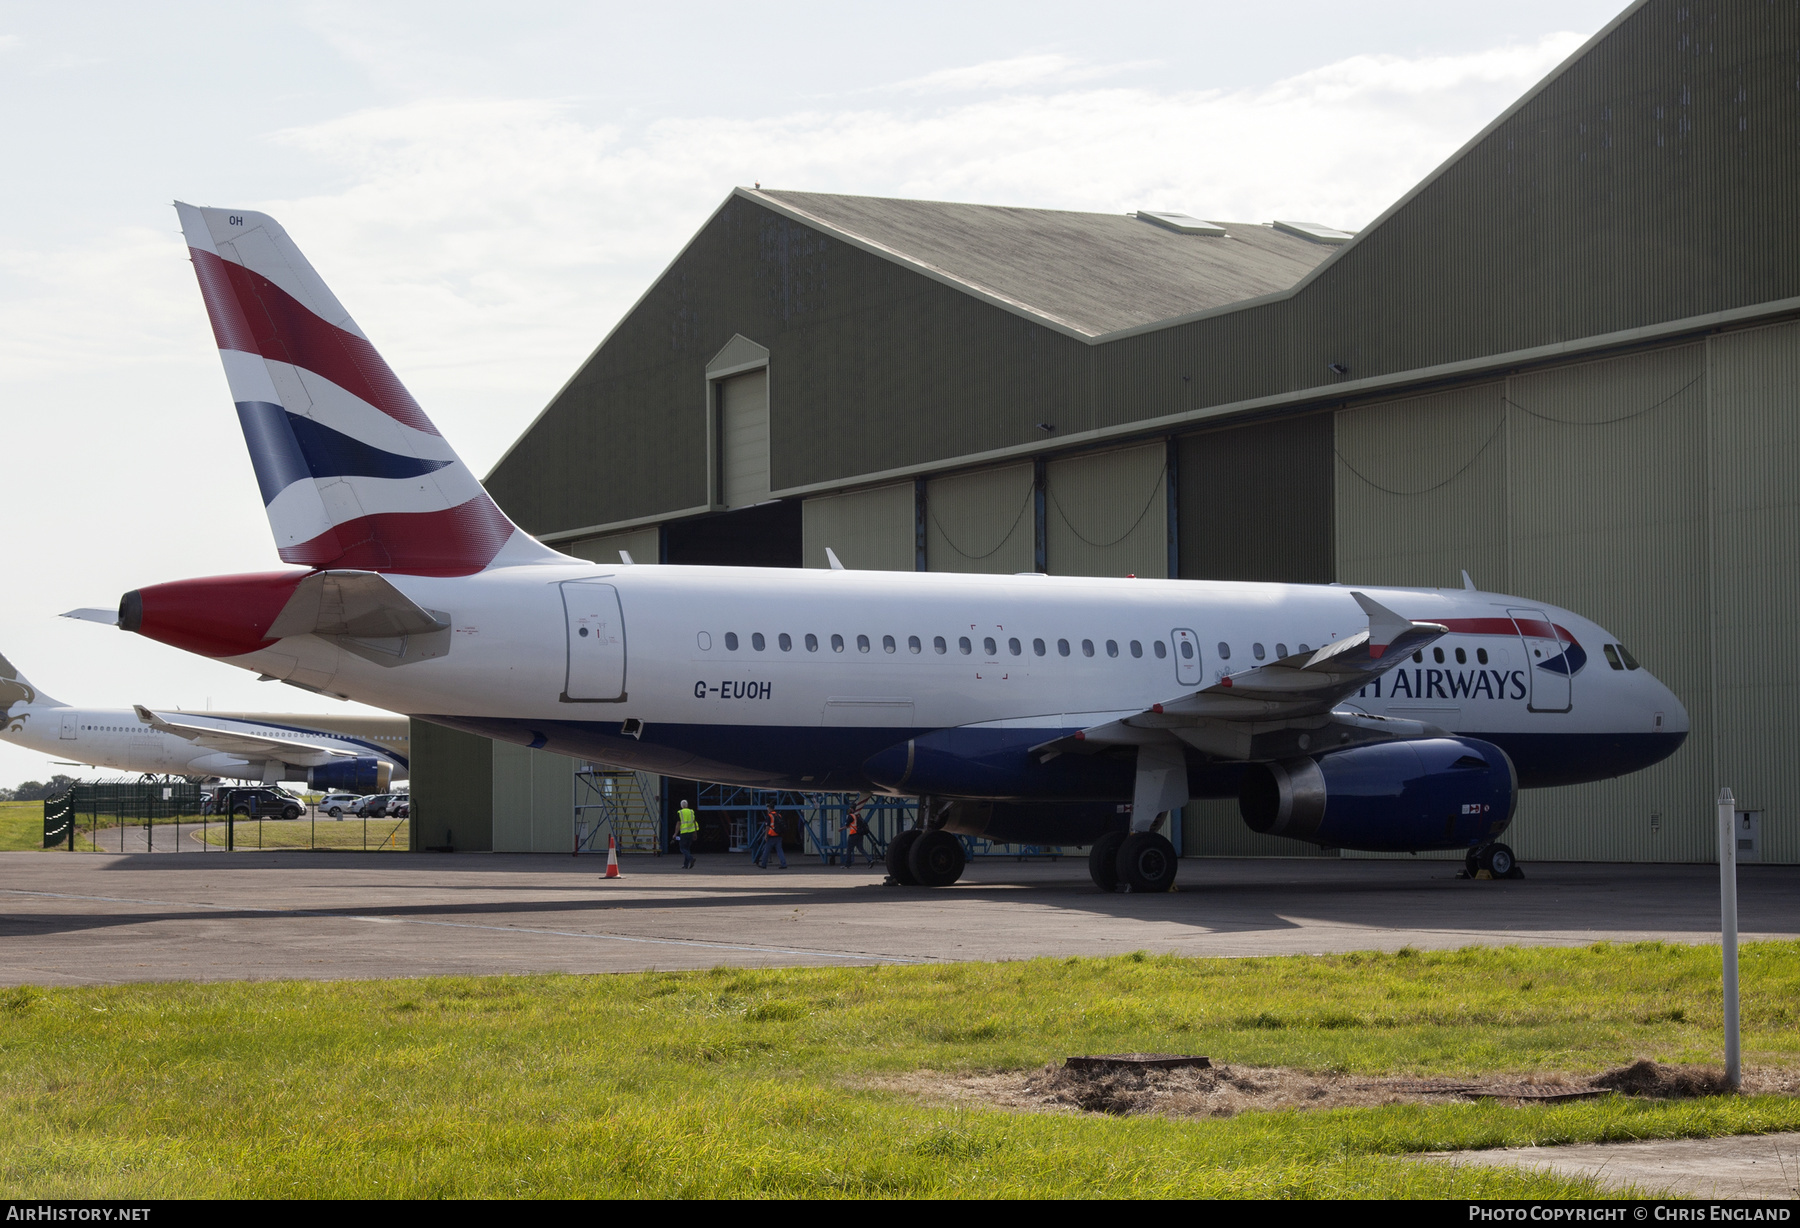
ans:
(1568, 362)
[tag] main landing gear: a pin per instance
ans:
(925, 858)
(1497, 859)
(1137, 861)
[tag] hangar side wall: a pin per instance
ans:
(644, 545)
(452, 777)
(533, 800)
(1652, 493)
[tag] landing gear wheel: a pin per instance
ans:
(1498, 860)
(1103, 861)
(1147, 862)
(936, 859)
(897, 864)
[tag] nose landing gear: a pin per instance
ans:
(1497, 859)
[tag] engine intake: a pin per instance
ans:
(1429, 793)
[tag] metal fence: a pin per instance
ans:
(170, 815)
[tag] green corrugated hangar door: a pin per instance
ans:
(1107, 513)
(981, 522)
(744, 439)
(870, 530)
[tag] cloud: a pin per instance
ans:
(487, 245)
(1010, 74)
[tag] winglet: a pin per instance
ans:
(831, 555)
(109, 617)
(625, 558)
(1468, 583)
(1385, 626)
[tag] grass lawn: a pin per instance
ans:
(21, 826)
(744, 1083)
(383, 834)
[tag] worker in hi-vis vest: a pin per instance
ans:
(854, 830)
(771, 839)
(687, 826)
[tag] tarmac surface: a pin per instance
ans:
(97, 918)
(1760, 1166)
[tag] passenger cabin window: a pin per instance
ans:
(988, 646)
(731, 640)
(837, 642)
(812, 642)
(1162, 649)
(1419, 657)
(1612, 657)
(862, 643)
(938, 646)
(1087, 648)
(1481, 655)
(1013, 646)
(1304, 648)
(705, 642)
(1256, 650)
(1462, 658)
(1062, 648)
(757, 642)
(1037, 646)
(1112, 648)
(786, 641)
(1137, 649)
(1631, 662)
(1437, 654)
(913, 645)
(1224, 651)
(963, 646)
(1280, 651)
(1187, 651)
(887, 643)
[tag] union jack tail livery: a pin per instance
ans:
(353, 474)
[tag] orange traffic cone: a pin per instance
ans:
(612, 858)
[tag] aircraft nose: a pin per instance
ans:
(1674, 716)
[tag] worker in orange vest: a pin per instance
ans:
(854, 828)
(771, 839)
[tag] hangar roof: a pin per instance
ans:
(1093, 272)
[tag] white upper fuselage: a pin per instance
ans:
(509, 656)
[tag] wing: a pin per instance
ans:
(1286, 707)
(249, 745)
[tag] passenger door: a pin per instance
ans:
(596, 635)
(1550, 687)
(1188, 668)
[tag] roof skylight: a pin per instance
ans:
(1181, 223)
(1327, 235)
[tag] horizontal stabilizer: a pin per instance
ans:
(109, 617)
(356, 603)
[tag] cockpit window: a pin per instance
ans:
(1631, 662)
(1612, 656)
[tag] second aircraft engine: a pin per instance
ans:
(1430, 793)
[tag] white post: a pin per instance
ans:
(1728, 932)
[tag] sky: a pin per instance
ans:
(489, 187)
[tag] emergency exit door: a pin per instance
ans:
(596, 634)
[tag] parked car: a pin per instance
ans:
(400, 807)
(335, 804)
(254, 803)
(374, 806)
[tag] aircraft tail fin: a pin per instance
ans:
(16, 691)
(352, 472)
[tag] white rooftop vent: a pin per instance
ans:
(1181, 223)
(1317, 233)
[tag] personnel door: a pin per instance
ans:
(596, 633)
(1549, 686)
(1188, 669)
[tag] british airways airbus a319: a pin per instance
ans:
(1043, 709)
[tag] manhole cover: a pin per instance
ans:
(1135, 1061)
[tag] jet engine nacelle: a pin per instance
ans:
(1431, 793)
(352, 776)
